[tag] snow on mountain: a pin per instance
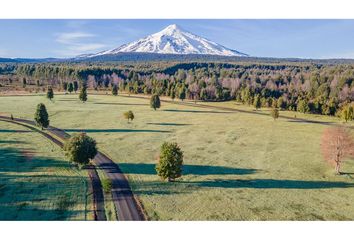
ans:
(173, 40)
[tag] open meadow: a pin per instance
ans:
(237, 165)
(36, 182)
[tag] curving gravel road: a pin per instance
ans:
(126, 206)
(97, 193)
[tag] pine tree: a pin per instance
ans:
(170, 161)
(182, 93)
(115, 90)
(76, 86)
(155, 101)
(70, 87)
(257, 102)
(65, 86)
(303, 106)
(83, 93)
(274, 113)
(347, 113)
(50, 93)
(41, 116)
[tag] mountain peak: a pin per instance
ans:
(173, 40)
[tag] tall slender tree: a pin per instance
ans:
(41, 116)
(70, 87)
(115, 90)
(155, 101)
(50, 93)
(83, 93)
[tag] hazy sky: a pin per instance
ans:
(262, 38)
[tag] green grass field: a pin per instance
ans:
(237, 166)
(36, 182)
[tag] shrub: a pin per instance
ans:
(107, 185)
(129, 115)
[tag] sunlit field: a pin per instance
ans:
(237, 165)
(36, 182)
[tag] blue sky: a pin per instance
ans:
(263, 38)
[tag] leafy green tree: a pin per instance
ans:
(182, 93)
(173, 94)
(302, 106)
(170, 161)
(41, 116)
(80, 148)
(274, 113)
(129, 115)
(70, 87)
(115, 90)
(281, 103)
(347, 113)
(155, 101)
(83, 93)
(76, 86)
(257, 102)
(65, 86)
(203, 94)
(24, 82)
(50, 93)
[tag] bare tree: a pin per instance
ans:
(337, 144)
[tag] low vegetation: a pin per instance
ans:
(129, 116)
(37, 182)
(231, 153)
(106, 185)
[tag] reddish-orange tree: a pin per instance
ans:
(337, 144)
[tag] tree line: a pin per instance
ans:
(308, 88)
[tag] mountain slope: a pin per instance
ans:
(173, 40)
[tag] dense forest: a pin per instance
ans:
(304, 87)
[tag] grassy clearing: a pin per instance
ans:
(238, 166)
(36, 182)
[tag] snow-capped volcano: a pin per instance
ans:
(173, 40)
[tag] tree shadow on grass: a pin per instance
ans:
(310, 121)
(116, 130)
(272, 184)
(148, 168)
(12, 142)
(68, 100)
(123, 104)
(33, 190)
(195, 111)
(180, 186)
(23, 160)
(14, 131)
(170, 124)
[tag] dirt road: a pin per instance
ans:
(126, 206)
